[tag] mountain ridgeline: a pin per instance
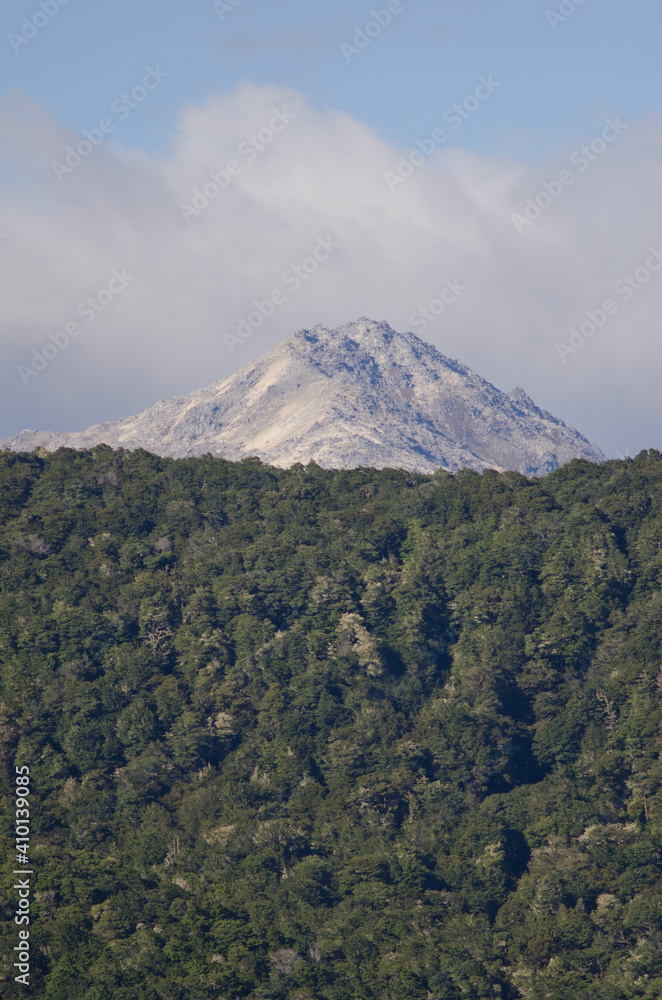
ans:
(362, 395)
(312, 735)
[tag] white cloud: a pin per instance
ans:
(323, 174)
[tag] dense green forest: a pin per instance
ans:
(313, 735)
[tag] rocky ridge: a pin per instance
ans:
(361, 395)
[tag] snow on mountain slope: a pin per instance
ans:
(362, 395)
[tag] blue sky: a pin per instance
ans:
(557, 79)
(559, 70)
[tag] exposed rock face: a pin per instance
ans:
(362, 395)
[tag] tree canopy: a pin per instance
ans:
(332, 735)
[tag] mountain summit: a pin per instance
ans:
(361, 395)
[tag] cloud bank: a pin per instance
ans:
(126, 278)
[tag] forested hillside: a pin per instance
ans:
(312, 735)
